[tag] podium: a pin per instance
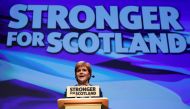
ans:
(82, 103)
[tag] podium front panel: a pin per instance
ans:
(83, 106)
(81, 103)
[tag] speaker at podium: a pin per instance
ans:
(83, 95)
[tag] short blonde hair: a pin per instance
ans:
(83, 64)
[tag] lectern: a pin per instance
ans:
(83, 103)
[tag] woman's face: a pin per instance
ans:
(82, 75)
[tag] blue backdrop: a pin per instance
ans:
(32, 78)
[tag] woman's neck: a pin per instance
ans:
(83, 84)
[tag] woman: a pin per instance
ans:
(83, 73)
